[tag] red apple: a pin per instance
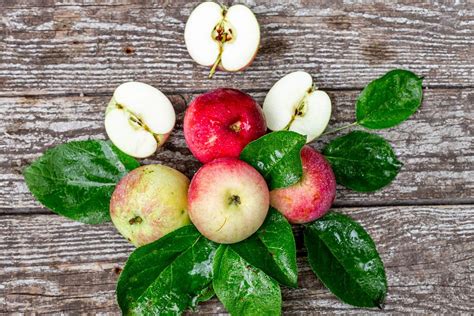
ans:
(220, 123)
(312, 196)
(228, 200)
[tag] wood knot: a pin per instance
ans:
(117, 270)
(129, 50)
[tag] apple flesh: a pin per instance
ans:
(294, 104)
(139, 119)
(223, 38)
(150, 202)
(228, 200)
(312, 196)
(220, 123)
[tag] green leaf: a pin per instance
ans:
(362, 161)
(77, 179)
(167, 276)
(389, 100)
(277, 157)
(272, 249)
(343, 256)
(244, 289)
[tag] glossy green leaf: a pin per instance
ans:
(362, 161)
(77, 179)
(277, 157)
(389, 100)
(343, 256)
(272, 249)
(167, 276)
(244, 289)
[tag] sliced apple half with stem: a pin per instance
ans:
(295, 104)
(139, 119)
(222, 38)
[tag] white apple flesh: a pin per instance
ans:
(220, 37)
(139, 119)
(294, 104)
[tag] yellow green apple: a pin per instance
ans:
(150, 202)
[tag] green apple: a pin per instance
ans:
(150, 202)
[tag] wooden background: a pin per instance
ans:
(61, 60)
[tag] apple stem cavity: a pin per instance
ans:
(234, 200)
(135, 220)
(236, 126)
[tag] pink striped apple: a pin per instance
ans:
(228, 200)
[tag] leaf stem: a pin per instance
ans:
(340, 128)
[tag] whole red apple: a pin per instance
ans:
(312, 196)
(228, 200)
(220, 123)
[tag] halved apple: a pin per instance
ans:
(294, 104)
(219, 37)
(139, 119)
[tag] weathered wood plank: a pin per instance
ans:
(73, 268)
(77, 46)
(435, 145)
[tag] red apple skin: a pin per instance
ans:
(312, 196)
(220, 123)
(212, 204)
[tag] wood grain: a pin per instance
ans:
(61, 60)
(72, 268)
(56, 47)
(435, 145)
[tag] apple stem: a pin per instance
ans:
(340, 128)
(218, 60)
(236, 126)
(222, 35)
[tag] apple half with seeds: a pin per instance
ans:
(222, 38)
(294, 104)
(139, 119)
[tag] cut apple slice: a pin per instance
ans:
(220, 37)
(294, 104)
(139, 119)
(239, 52)
(202, 47)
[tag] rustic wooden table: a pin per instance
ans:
(60, 61)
